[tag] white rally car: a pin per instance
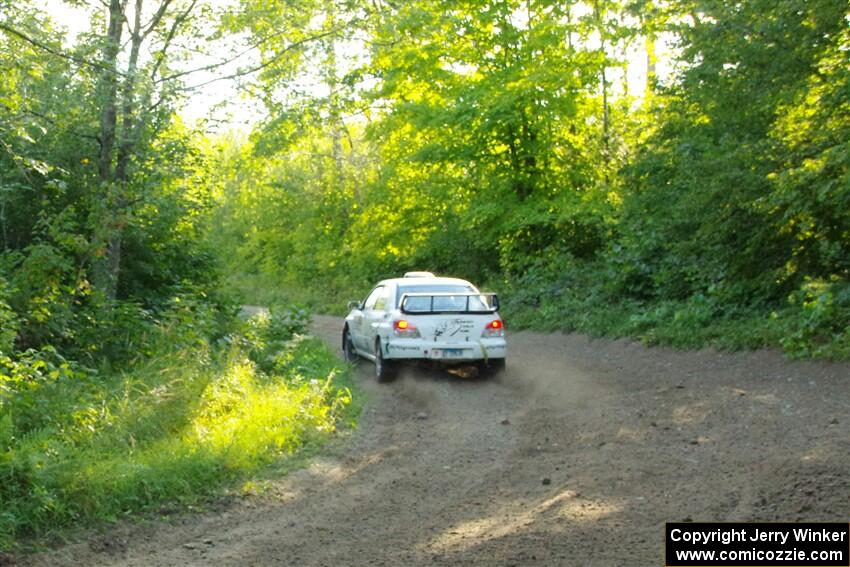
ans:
(421, 317)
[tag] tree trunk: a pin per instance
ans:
(606, 119)
(109, 89)
(651, 60)
(332, 80)
(104, 275)
(606, 115)
(128, 123)
(115, 218)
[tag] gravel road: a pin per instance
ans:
(577, 455)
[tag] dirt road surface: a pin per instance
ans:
(577, 455)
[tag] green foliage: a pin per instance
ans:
(118, 395)
(485, 154)
(8, 322)
(819, 326)
(731, 204)
(54, 200)
(497, 147)
(78, 446)
(270, 334)
(811, 187)
(576, 296)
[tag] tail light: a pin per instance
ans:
(494, 328)
(405, 329)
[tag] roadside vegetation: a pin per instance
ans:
(208, 405)
(127, 379)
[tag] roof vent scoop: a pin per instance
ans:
(419, 275)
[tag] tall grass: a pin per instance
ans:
(175, 428)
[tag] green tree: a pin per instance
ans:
(700, 218)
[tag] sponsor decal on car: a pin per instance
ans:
(392, 346)
(453, 327)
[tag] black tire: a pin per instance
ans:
(384, 369)
(492, 367)
(348, 351)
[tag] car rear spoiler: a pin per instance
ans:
(463, 303)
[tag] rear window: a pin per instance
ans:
(433, 288)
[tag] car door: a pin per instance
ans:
(377, 315)
(360, 321)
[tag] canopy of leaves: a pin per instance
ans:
(497, 140)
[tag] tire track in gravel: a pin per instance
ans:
(604, 442)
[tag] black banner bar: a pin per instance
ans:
(743, 544)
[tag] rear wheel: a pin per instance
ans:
(348, 351)
(384, 369)
(492, 367)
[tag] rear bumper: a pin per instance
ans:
(418, 349)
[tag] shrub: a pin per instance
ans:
(820, 325)
(271, 333)
(8, 322)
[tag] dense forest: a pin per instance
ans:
(505, 141)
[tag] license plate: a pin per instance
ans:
(448, 352)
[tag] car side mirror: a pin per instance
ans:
(353, 304)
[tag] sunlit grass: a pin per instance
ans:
(245, 421)
(175, 429)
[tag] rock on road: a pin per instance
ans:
(577, 455)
